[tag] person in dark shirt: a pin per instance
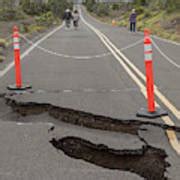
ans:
(67, 17)
(132, 20)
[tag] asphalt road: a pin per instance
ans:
(76, 77)
(166, 74)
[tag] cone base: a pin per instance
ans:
(22, 88)
(151, 115)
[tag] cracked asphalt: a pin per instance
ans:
(99, 86)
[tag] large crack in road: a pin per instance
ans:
(148, 162)
(85, 119)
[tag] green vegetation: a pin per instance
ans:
(2, 47)
(162, 17)
(32, 15)
(33, 8)
(45, 19)
(2, 43)
(10, 12)
(101, 9)
(2, 58)
(58, 7)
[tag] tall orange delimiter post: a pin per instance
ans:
(152, 111)
(17, 57)
(149, 72)
(17, 61)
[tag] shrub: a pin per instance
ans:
(102, 9)
(115, 7)
(147, 13)
(11, 14)
(139, 9)
(2, 43)
(2, 58)
(45, 19)
(34, 8)
(58, 7)
(123, 23)
(90, 4)
(35, 28)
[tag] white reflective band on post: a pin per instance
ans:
(16, 46)
(148, 56)
(147, 47)
(15, 39)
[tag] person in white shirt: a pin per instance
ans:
(76, 18)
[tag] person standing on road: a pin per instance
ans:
(76, 18)
(132, 20)
(67, 17)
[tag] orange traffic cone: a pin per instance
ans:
(114, 22)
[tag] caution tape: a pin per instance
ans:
(165, 56)
(100, 55)
(78, 57)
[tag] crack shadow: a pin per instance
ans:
(148, 162)
(85, 119)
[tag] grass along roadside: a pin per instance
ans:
(28, 25)
(163, 23)
(30, 29)
(32, 18)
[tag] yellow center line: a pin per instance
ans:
(172, 135)
(163, 99)
(115, 51)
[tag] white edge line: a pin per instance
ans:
(165, 56)
(171, 107)
(10, 65)
(166, 40)
(161, 39)
(173, 139)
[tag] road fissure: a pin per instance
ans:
(148, 162)
(82, 118)
(129, 66)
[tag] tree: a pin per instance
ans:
(34, 7)
(90, 4)
(58, 7)
(8, 10)
(7, 4)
